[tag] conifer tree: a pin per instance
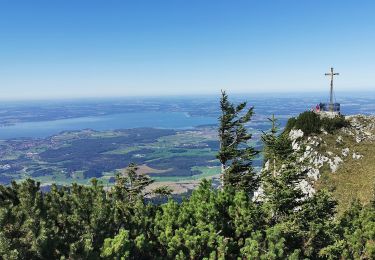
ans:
(276, 147)
(282, 191)
(131, 184)
(281, 175)
(235, 154)
(270, 145)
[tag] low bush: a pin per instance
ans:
(311, 123)
(290, 124)
(332, 124)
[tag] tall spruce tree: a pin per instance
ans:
(282, 174)
(235, 154)
(277, 148)
(270, 144)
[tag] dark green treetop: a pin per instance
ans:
(235, 154)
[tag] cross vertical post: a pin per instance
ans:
(332, 73)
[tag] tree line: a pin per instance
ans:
(252, 215)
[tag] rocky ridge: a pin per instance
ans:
(328, 152)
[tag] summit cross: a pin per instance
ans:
(332, 73)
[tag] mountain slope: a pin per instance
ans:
(344, 161)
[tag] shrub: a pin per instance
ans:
(290, 124)
(332, 124)
(309, 122)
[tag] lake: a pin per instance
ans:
(42, 119)
(171, 120)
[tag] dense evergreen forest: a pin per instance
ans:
(252, 215)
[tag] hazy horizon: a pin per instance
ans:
(233, 95)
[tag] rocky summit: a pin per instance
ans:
(343, 161)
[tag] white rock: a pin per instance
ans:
(306, 188)
(295, 134)
(319, 161)
(357, 156)
(267, 165)
(334, 164)
(258, 194)
(313, 173)
(337, 160)
(345, 152)
(296, 146)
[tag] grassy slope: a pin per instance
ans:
(355, 178)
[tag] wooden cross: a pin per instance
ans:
(331, 92)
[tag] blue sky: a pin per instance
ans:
(88, 48)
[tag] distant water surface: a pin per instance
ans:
(40, 129)
(171, 113)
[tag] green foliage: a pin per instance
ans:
(70, 222)
(162, 191)
(332, 124)
(281, 175)
(277, 148)
(194, 228)
(298, 225)
(290, 124)
(354, 234)
(131, 182)
(235, 154)
(311, 123)
(118, 247)
(87, 222)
